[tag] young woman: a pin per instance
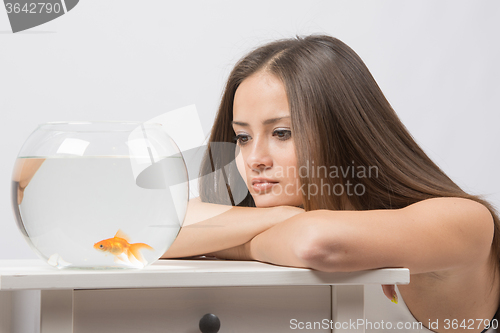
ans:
(332, 181)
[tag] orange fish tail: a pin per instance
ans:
(133, 250)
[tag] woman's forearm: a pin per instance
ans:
(210, 227)
(283, 244)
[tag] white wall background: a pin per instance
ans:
(436, 61)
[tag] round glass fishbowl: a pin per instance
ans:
(100, 194)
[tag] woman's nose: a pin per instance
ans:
(259, 158)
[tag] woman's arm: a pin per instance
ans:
(431, 235)
(24, 170)
(210, 227)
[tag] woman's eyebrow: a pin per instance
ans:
(265, 122)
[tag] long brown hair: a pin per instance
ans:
(340, 117)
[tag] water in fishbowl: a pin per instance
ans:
(91, 212)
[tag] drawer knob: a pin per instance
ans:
(209, 323)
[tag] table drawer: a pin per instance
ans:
(179, 310)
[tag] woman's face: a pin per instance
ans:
(266, 159)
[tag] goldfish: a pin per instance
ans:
(120, 247)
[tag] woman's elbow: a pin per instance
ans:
(317, 250)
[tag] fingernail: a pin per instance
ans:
(394, 298)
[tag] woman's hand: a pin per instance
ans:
(24, 170)
(390, 292)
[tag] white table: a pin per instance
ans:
(172, 296)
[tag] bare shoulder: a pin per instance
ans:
(463, 204)
(457, 229)
(456, 260)
(465, 214)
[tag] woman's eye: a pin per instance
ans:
(283, 134)
(241, 139)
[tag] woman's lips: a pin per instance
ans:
(263, 186)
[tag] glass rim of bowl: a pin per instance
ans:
(47, 126)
